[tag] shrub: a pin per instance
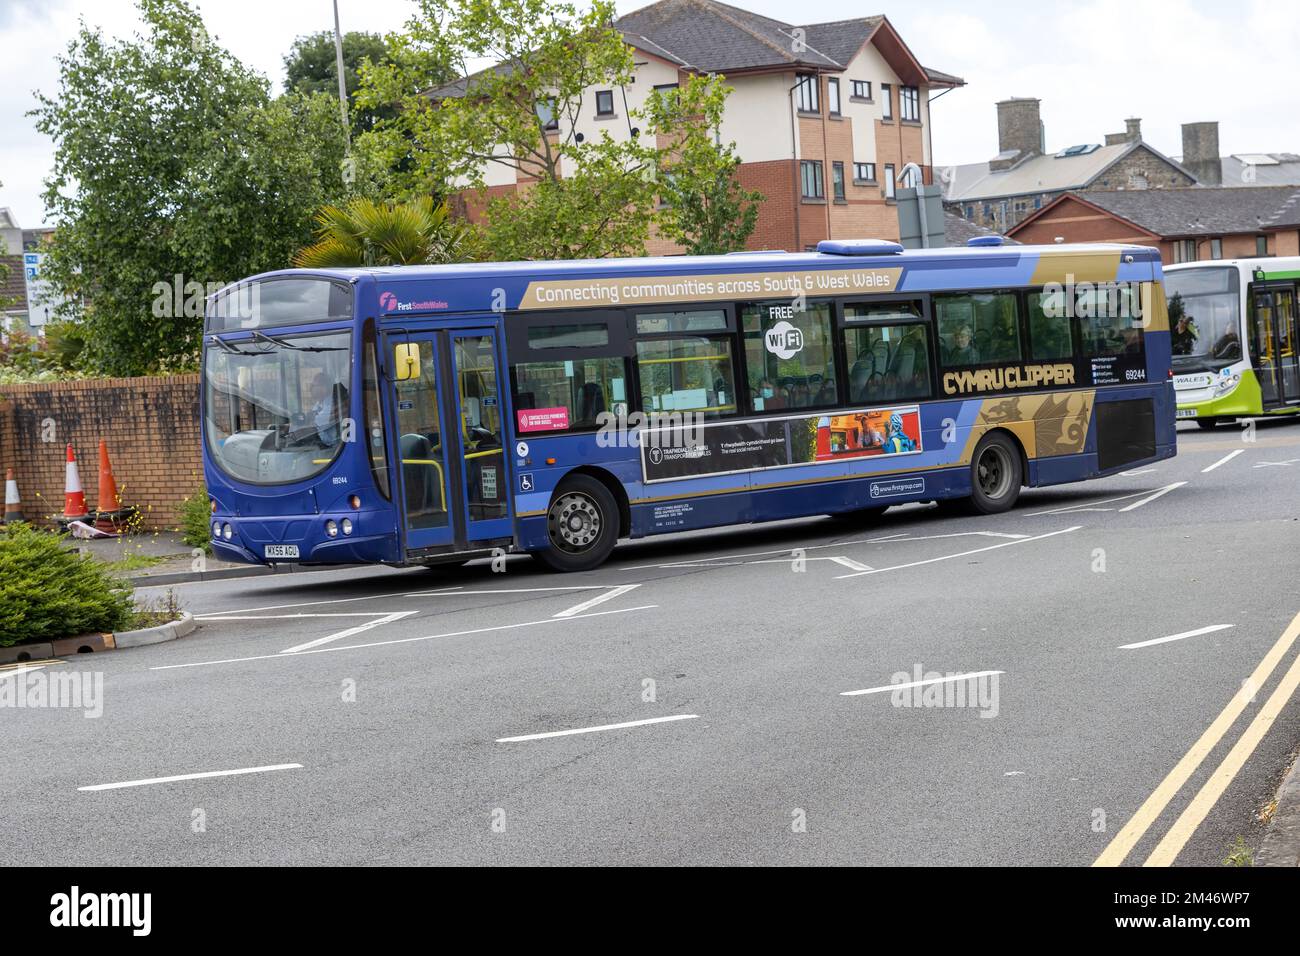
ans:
(48, 592)
(196, 515)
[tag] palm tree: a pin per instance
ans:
(368, 233)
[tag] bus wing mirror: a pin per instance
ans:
(406, 361)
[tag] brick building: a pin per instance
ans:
(1186, 225)
(1024, 177)
(825, 116)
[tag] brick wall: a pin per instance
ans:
(151, 426)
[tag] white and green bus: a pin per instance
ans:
(1235, 330)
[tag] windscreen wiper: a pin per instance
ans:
(281, 343)
(227, 347)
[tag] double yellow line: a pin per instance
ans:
(1194, 815)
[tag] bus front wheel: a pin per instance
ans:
(1209, 424)
(995, 475)
(582, 524)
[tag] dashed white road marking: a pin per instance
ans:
(1176, 637)
(1276, 464)
(1150, 498)
(190, 776)
(1138, 471)
(386, 619)
(401, 640)
(598, 599)
(1223, 461)
(950, 679)
(592, 730)
(962, 554)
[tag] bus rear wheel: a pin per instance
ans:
(995, 475)
(582, 524)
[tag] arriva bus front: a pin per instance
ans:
(432, 414)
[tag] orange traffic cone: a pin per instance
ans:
(13, 507)
(74, 499)
(109, 506)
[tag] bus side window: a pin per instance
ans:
(978, 328)
(1049, 327)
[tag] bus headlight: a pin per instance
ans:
(216, 529)
(227, 532)
(1225, 385)
(332, 528)
(346, 525)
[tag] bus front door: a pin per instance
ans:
(450, 417)
(1277, 340)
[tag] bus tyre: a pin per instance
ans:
(1209, 424)
(995, 475)
(582, 524)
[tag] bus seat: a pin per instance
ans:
(591, 403)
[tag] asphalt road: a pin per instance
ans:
(410, 701)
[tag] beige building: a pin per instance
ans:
(827, 118)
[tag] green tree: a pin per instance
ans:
(312, 67)
(368, 233)
(171, 158)
(705, 208)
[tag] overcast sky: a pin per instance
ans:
(1092, 63)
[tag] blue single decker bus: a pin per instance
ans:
(433, 414)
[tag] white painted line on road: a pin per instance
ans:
(1086, 505)
(190, 776)
(1276, 464)
(1167, 850)
(1154, 805)
(1138, 471)
(592, 730)
(951, 679)
(949, 557)
(598, 599)
(21, 670)
(1176, 637)
(279, 617)
(1150, 498)
(386, 619)
(733, 560)
(402, 640)
(1223, 461)
(282, 607)
(575, 587)
(852, 565)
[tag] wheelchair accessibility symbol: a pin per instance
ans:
(525, 482)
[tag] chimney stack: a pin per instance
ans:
(1133, 130)
(1020, 131)
(1201, 153)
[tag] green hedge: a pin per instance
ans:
(48, 591)
(196, 518)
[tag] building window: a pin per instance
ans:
(604, 102)
(886, 102)
(862, 89)
(1216, 248)
(806, 93)
(889, 181)
(1261, 245)
(546, 114)
(833, 96)
(810, 174)
(909, 103)
(1185, 250)
(837, 181)
(864, 172)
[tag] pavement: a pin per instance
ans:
(1103, 674)
(169, 560)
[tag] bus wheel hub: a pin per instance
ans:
(576, 521)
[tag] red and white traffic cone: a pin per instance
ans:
(13, 507)
(108, 505)
(74, 498)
